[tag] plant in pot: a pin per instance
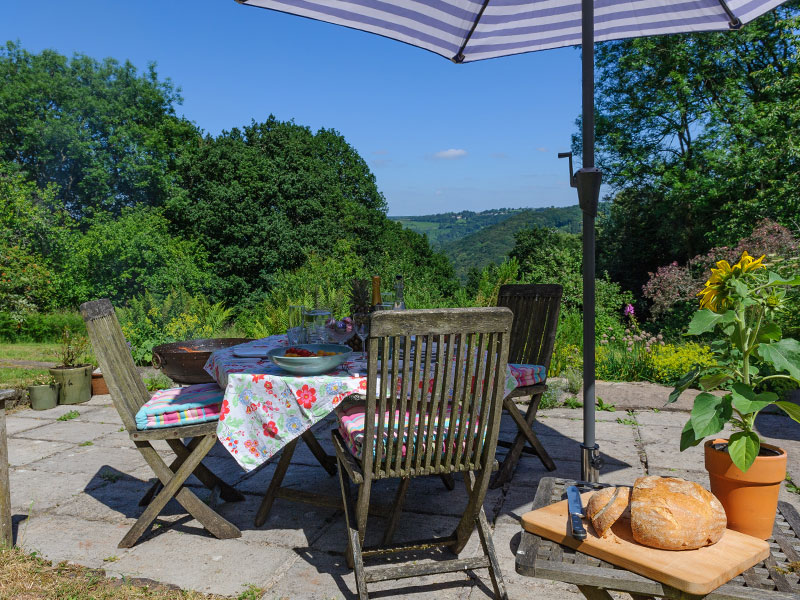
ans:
(74, 377)
(738, 306)
(43, 392)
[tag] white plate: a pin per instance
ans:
(251, 352)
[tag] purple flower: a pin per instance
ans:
(629, 310)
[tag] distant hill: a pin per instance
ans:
(493, 243)
(444, 228)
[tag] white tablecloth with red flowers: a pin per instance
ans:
(265, 408)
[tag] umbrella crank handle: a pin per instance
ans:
(568, 155)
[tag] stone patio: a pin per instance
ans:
(75, 487)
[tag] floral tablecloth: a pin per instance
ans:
(265, 408)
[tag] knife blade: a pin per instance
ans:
(575, 513)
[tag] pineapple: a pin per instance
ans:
(360, 298)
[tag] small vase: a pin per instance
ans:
(43, 397)
(76, 383)
(750, 498)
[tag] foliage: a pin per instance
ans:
(150, 320)
(68, 416)
(72, 349)
(671, 361)
(626, 358)
(491, 244)
(157, 382)
(447, 227)
(739, 304)
(119, 258)
(549, 256)
(42, 379)
(672, 289)
(25, 282)
(259, 199)
(697, 136)
(38, 327)
(104, 134)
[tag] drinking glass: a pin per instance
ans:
(361, 327)
(315, 324)
(296, 332)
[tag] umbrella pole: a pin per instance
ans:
(587, 180)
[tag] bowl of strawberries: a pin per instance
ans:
(310, 359)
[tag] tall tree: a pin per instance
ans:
(699, 137)
(260, 198)
(107, 136)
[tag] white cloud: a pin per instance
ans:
(450, 154)
(542, 149)
(380, 152)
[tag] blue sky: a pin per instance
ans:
(439, 137)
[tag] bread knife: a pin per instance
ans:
(575, 507)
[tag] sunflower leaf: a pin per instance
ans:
(682, 385)
(784, 355)
(710, 413)
(775, 279)
(769, 332)
(790, 408)
(746, 401)
(743, 447)
(703, 321)
(688, 437)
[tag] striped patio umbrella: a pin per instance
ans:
(466, 31)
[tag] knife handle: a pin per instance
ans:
(578, 530)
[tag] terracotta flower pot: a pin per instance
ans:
(750, 498)
(99, 387)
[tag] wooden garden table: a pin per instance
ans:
(771, 579)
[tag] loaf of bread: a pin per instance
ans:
(674, 514)
(606, 506)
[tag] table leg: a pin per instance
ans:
(275, 484)
(327, 461)
(594, 593)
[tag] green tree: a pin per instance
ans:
(697, 136)
(121, 258)
(261, 198)
(107, 136)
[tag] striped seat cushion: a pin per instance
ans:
(528, 374)
(181, 406)
(351, 427)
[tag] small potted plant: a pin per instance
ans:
(74, 377)
(43, 392)
(739, 304)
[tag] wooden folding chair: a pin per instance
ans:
(129, 394)
(419, 429)
(533, 336)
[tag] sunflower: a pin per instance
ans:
(714, 295)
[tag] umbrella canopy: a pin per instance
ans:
(466, 31)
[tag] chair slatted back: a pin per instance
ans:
(125, 385)
(471, 350)
(535, 309)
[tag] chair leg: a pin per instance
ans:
(275, 484)
(327, 461)
(173, 487)
(397, 509)
(180, 456)
(524, 434)
(485, 535)
(362, 508)
(206, 476)
(353, 555)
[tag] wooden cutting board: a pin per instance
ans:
(693, 571)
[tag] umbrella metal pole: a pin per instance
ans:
(588, 192)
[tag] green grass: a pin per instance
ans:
(68, 416)
(29, 351)
(18, 377)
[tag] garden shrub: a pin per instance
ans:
(670, 362)
(150, 320)
(38, 327)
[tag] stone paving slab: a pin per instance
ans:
(83, 499)
(76, 432)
